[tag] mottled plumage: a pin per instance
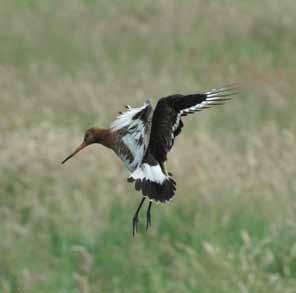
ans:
(132, 129)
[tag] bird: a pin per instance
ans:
(142, 138)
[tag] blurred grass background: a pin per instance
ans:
(69, 65)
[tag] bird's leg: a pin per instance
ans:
(170, 174)
(148, 220)
(165, 170)
(135, 217)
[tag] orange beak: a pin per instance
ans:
(82, 146)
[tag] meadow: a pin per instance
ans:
(68, 65)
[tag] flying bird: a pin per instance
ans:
(142, 138)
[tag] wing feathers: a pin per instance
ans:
(205, 100)
(133, 129)
(167, 122)
(127, 117)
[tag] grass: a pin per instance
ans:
(69, 65)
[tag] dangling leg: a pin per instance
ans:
(135, 218)
(164, 169)
(148, 219)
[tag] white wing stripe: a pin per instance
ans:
(214, 97)
(175, 126)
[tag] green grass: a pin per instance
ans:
(68, 65)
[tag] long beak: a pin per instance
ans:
(82, 146)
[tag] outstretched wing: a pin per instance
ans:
(167, 123)
(133, 128)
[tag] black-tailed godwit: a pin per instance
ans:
(142, 138)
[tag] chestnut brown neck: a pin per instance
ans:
(104, 137)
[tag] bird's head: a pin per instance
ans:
(92, 135)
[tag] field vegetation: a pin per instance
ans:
(68, 65)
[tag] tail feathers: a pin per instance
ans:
(153, 183)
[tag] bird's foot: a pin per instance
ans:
(148, 218)
(135, 218)
(135, 224)
(148, 221)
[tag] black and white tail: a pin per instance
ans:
(152, 181)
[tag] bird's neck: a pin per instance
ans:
(104, 136)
